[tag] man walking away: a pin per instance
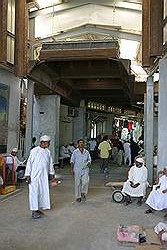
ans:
(39, 167)
(104, 148)
(80, 163)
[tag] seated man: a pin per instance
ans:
(12, 159)
(64, 154)
(70, 148)
(157, 199)
(137, 183)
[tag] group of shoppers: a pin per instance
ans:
(111, 148)
(39, 171)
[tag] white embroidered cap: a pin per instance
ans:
(140, 160)
(14, 150)
(45, 138)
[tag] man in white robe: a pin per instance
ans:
(12, 163)
(80, 162)
(127, 153)
(38, 169)
(137, 183)
(157, 199)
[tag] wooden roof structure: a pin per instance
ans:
(89, 70)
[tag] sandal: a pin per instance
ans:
(40, 212)
(149, 211)
(36, 215)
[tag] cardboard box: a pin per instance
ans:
(148, 247)
(129, 236)
(152, 237)
(7, 189)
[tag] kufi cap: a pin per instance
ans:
(14, 150)
(140, 160)
(45, 138)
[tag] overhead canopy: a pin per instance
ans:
(91, 56)
(90, 70)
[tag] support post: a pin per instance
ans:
(162, 115)
(29, 123)
(149, 128)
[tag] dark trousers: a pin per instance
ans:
(104, 164)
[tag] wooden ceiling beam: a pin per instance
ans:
(96, 84)
(61, 55)
(47, 86)
(104, 94)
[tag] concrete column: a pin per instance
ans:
(79, 123)
(46, 118)
(162, 115)
(109, 122)
(29, 122)
(57, 128)
(145, 122)
(155, 130)
(149, 128)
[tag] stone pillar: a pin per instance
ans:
(145, 122)
(29, 122)
(155, 130)
(79, 123)
(162, 115)
(46, 121)
(109, 123)
(149, 128)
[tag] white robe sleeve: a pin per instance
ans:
(145, 176)
(29, 164)
(89, 158)
(130, 174)
(72, 158)
(17, 162)
(51, 168)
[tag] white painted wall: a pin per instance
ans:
(58, 20)
(13, 82)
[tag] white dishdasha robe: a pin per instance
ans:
(81, 171)
(136, 175)
(39, 166)
(156, 199)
